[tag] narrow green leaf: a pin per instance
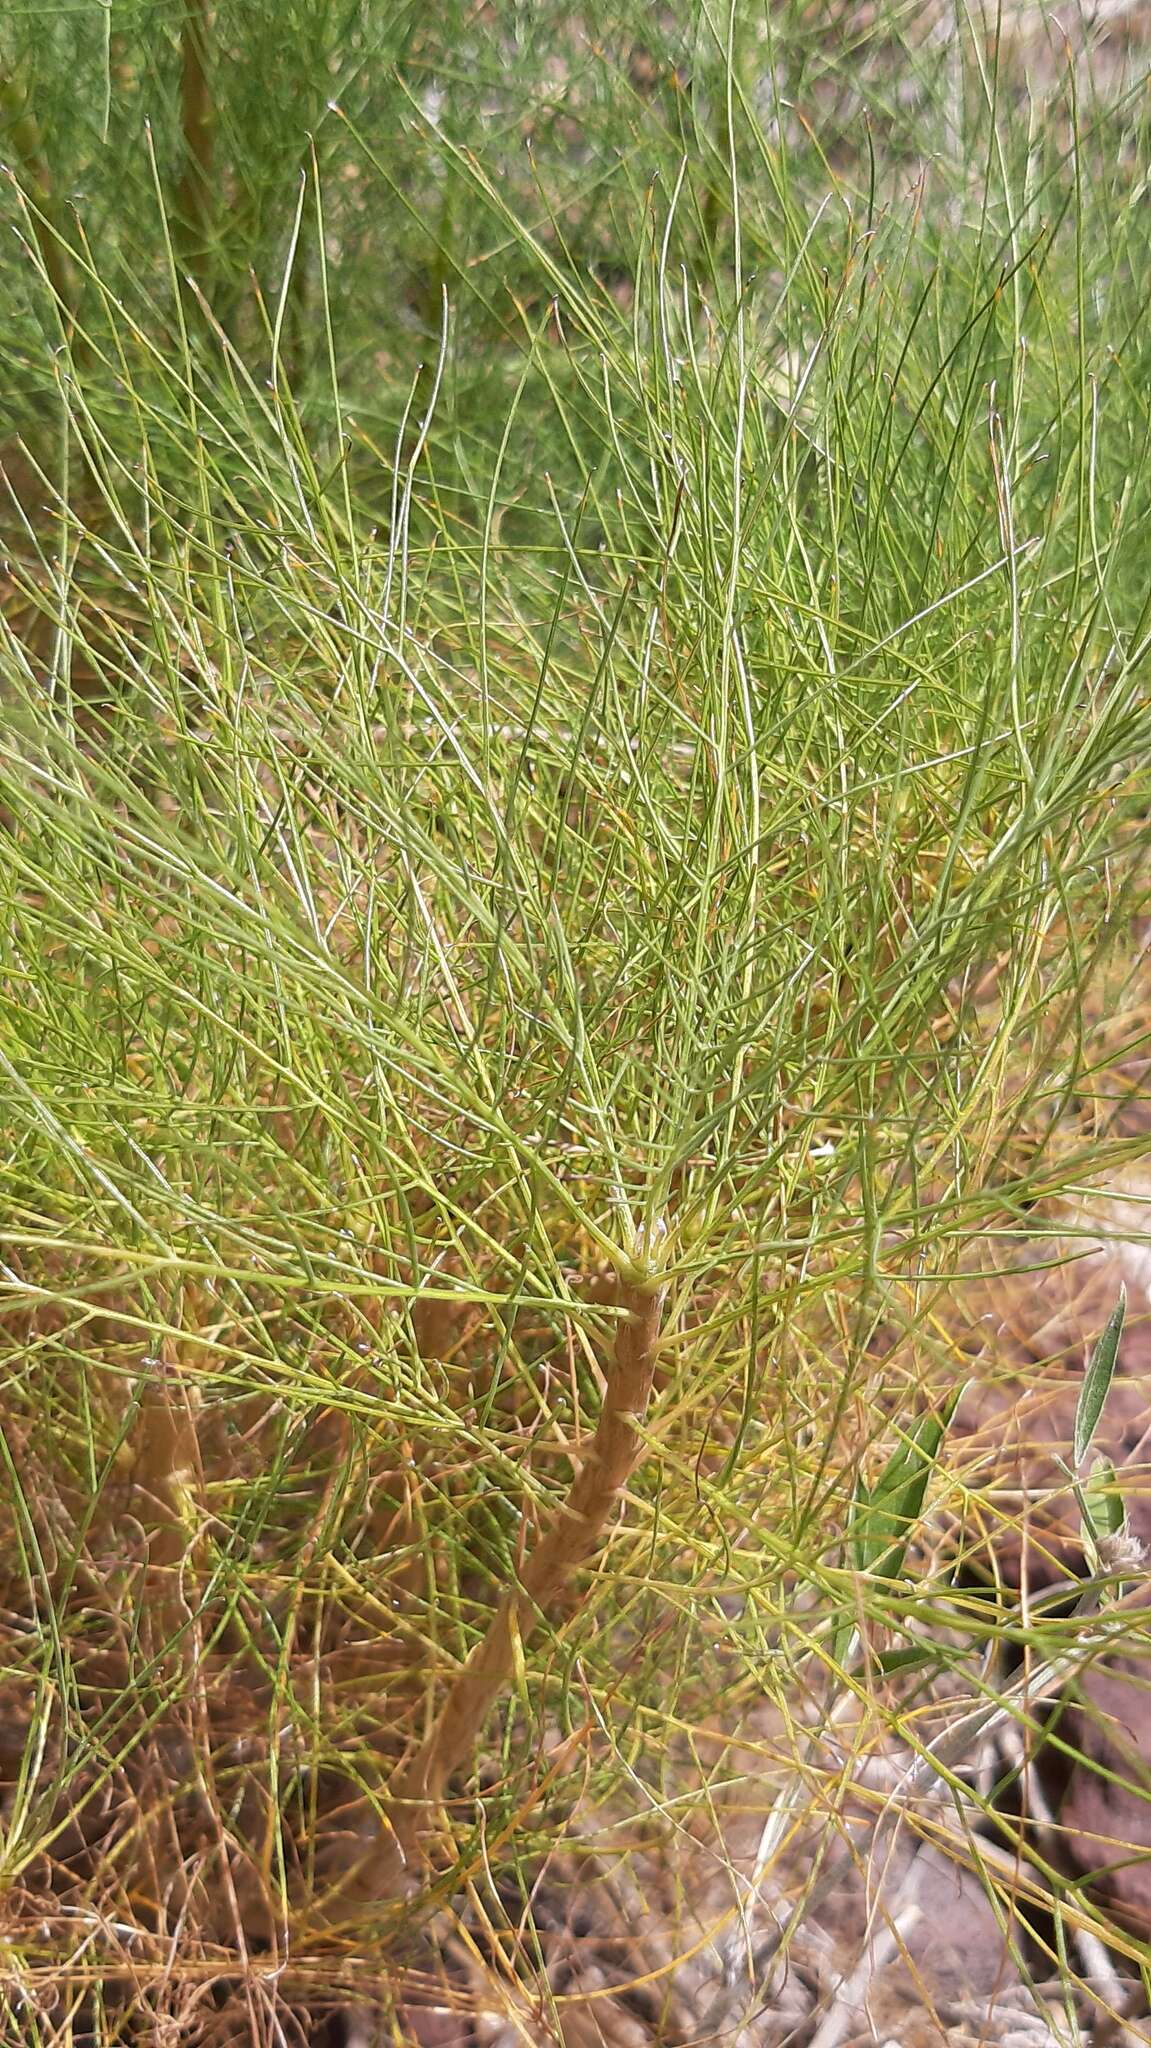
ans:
(842, 1637)
(884, 1515)
(1103, 1508)
(1097, 1379)
(891, 1661)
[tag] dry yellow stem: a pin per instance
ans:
(166, 1481)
